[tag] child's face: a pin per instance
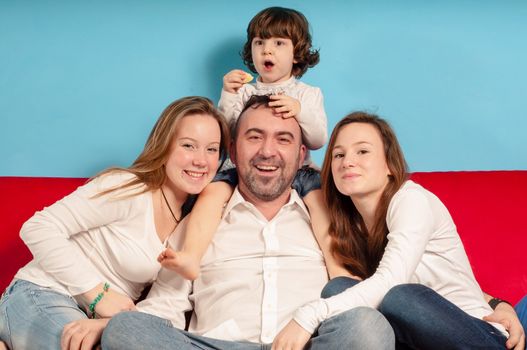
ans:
(273, 58)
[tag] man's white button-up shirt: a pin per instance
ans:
(254, 275)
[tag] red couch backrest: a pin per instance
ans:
(21, 198)
(487, 207)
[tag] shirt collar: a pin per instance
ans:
(271, 86)
(237, 199)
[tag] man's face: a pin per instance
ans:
(267, 153)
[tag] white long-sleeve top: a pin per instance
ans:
(423, 247)
(82, 240)
(254, 275)
(312, 117)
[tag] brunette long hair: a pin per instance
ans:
(361, 251)
(149, 167)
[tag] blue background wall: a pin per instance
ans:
(82, 82)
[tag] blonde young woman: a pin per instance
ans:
(96, 249)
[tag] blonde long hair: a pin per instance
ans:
(149, 167)
(359, 250)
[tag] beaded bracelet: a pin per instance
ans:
(98, 298)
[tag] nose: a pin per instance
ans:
(349, 161)
(267, 47)
(200, 159)
(268, 148)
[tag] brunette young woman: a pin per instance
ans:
(400, 243)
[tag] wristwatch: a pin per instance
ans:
(495, 301)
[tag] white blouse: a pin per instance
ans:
(423, 247)
(83, 240)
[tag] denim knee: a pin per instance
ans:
(306, 180)
(395, 302)
(136, 330)
(337, 285)
(365, 328)
(229, 176)
(32, 317)
(113, 336)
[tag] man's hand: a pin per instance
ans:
(82, 334)
(235, 79)
(505, 315)
(291, 337)
(285, 106)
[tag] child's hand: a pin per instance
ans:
(235, 79)
(284, 105)
(184, 263)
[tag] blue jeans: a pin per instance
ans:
(521, 310)
(32, 317)
(422, 319)
(360, 328)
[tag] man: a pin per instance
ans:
(262, 265)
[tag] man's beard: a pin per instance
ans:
(258, 185)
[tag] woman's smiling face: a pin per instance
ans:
(194, 155)
(358, 162)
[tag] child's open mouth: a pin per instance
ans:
(268, 64)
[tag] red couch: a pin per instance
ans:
(487, 207)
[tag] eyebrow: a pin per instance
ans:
(257, 130)
(194, 140)
(186, 138)
(354, 144)
(279, 133)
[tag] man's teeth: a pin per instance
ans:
(266, 167)
(194, 174)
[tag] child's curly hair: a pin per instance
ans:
(282, 23)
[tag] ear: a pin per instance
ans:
(232, 152)
(302, 155)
